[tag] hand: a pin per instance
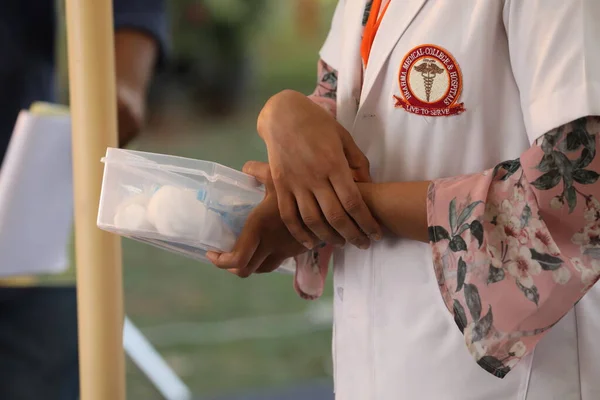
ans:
(130, 113)
(135, 58)
(314, 163)
(265, 241)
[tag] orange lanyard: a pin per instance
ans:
(371, 28)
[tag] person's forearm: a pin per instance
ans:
(135, 58)
(400, 206)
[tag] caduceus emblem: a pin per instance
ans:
(429, 70)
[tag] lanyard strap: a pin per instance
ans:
(371, 28)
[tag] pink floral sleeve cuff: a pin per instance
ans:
(516, 247)
(311, 272)
(325, 93)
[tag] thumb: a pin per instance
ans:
(357, 160)
(260, 170)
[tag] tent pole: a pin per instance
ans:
(90, 39)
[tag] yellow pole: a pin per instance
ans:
(90, 41)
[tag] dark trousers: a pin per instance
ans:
(38, 343)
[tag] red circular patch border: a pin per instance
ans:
(447, 105)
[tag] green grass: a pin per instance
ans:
(162, 288)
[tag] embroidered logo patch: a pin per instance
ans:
(430, 82)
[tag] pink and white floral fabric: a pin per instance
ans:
(516, 247)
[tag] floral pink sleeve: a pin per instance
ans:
(325, 93)
(311, 272)
(311, 267)
(522, 247)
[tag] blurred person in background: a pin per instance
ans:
(210, 66)
(469, 130)
(38, 325)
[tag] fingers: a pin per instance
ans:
(257, 260)
(260, 170)
(338, 218)
(270, 264)
(333, 214)
(260, 264)
(242, 253)
(290, 216)
(336, 215)
(357, 161)
(352, 202)
(314, 219)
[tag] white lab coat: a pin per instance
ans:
(527, 66)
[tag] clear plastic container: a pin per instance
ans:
(179, 204)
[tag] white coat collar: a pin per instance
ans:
(350, 68)
(398, 17)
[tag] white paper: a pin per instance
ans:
(36, 196)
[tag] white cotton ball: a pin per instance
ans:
(177, 213)
(131, 214)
